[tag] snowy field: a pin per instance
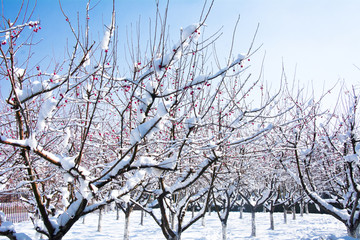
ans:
(312, 226)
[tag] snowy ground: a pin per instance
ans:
(312, 226)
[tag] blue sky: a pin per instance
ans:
(321, 39)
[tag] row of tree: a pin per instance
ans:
(174, 133)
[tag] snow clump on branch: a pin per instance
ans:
(188, 35)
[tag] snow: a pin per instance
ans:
(107, 35)
(357, 148)
(126, 198)
(185, 179)
(144, 161)
(33, 23)
(118, 166)
(7, 35)
(199, 79)
(69, 213)
(68, 162)
(67, 137)
(151, 164)
(35, 87)
(146, 129)
(169, 163)
(45, 112)
(136, 179)
(343, 214)
(158, 65)
(14, 141)
(105, 41)
(238, 119)
(252, 137)
(130, 184)
(2, 217)
(190, 34)
(31, 142)
(306, 152)
(7, 226)
(65, 196)
(191, 122)
(188, 31)
(312, 226)
(19, 72)
(162, 108)
(241, 57)
(351, 158)
(21, 236)
(84, 189)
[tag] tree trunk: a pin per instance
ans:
(203, 221)
(285, 214)
(307, 208)
(271, 210)
(223, 230)
(59, 237)
(209, 210)
(172, 220)
(293, 209)
(126, 227)
(142, 218)
(83, 221)
(353, 231)
(264, 209)
(272, 226)
(253, 224)
(241, 212)
(177, 237)
(117, 213)
(193, 211)
(99, 221)
(301, 208)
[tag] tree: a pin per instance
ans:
(83, 136)
(225, 196)
(128, 206)
(322, 156)
(63, 121)
(256, 192)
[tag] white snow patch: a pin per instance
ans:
(126, 198)
(70, 212)
(241, 57)
(67, 162)
(31, 142)
(188, 31)
(7, 35)
(117, 166)
(45, 112)
(357, 148)
(66, 138)
(146, 129)
(144, 161)
(351, 158)
(19, 72)
(311, 226)
(64, 196)
(169, 163)
(68, 178)
(191, 122)
(106, 40)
